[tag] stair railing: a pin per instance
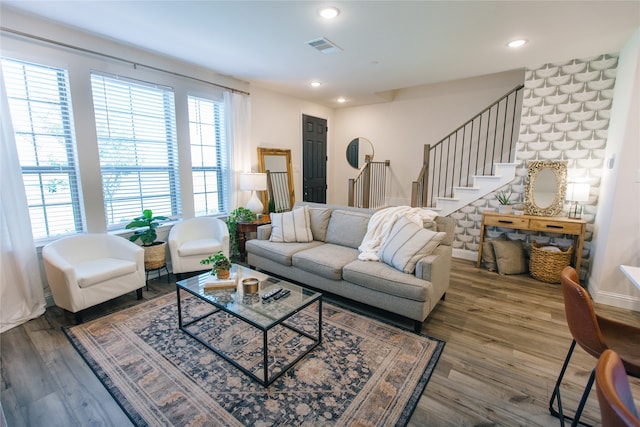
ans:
(368, 188)
(472, 149)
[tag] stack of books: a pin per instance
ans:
(213, 282)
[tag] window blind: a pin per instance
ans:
(137, 142)
(41, 114)
(209, 158)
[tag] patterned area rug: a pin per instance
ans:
(364, 372)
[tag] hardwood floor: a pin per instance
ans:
(506, 340)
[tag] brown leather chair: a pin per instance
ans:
(595, 334)
(614, 394)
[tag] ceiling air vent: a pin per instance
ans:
(324, 45)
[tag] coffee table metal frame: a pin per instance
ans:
(194, 286)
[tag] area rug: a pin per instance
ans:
(365, 372)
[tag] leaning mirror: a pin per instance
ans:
(276, 163)
(545, 187)
(359, 151)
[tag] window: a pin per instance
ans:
(40, 106)
(135, 124)
(208, 155)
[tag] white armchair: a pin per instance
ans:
(87, 269)
(192, 240)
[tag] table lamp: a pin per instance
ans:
(254, 182)
(577, 192)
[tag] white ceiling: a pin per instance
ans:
(387, 45)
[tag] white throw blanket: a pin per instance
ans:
(382, 222)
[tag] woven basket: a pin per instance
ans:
(155, 256)
(546, 265)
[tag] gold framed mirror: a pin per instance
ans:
(545, 187)
(276, 163)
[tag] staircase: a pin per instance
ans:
(474, 160)
(504, 173)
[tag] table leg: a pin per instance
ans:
(242, 240)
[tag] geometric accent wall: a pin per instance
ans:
(565, 116)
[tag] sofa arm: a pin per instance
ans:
(436, 268)
(264, 232)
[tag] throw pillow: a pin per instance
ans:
(489, 255)
(319, 222)
(347, 228)
(510, 256)
(407, 243)
(291, 226)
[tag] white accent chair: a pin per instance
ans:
(88, 269)
(194, 239)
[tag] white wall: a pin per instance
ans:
(617, 233)
(399, 129)
(276, 122)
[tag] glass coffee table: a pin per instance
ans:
(274, 319)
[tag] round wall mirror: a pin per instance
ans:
(545, 189)
(359, 151)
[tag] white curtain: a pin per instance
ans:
(237, 114)
(21, 294)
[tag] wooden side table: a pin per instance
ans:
(549, 224)
(248, 227)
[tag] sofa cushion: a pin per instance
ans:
(326, 260)
(319, 222)
(347, 228)
(407, 243)
(100, 270)
(291, 226)
(381, 277)
(277, 252)
(199, 247)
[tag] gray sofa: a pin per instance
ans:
(330, 263)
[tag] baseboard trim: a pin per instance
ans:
(465, 254)
(617, 300)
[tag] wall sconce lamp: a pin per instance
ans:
(577, 192)
(254, 182)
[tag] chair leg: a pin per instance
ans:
(139, 293)
(79, 319)
(556, 393)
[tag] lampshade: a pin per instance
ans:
(578, 192)
(253, 181)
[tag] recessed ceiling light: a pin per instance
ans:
(329, 12)
(316, 84)
(341, 100)
(517, 43)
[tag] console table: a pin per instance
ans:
(549, 224)
(248, 227)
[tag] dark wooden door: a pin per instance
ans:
(314, 159)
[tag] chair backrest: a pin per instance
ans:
(614, 394)
(199, 228)
(83, 247)
(581, 316)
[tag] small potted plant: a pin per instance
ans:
(505, 202)
(220, 265)
(237, 215)
(155, 255)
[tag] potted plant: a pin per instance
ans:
(505, 202)
(155, 255)
(220, 264)
(237, 215)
